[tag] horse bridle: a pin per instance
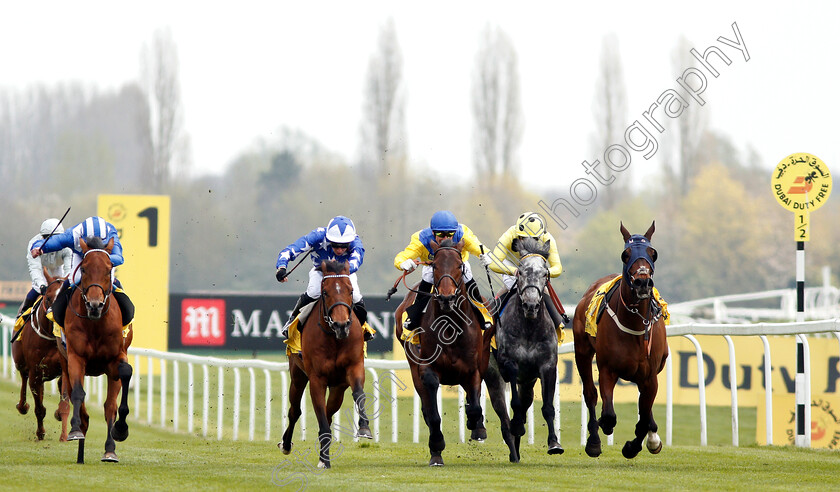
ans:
(458, 284)
(33, 320)
(84, 291)
(530, 286)
(325, 311)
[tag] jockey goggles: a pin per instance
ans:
(339, 245)
(444, 233)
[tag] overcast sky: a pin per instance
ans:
(249, 68)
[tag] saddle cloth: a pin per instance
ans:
(597, 305)
(414, 338)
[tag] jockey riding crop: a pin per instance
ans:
(487, 269)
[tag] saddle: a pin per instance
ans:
(604, 294)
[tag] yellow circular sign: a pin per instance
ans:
(801, 182)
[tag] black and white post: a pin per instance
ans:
(803, 397)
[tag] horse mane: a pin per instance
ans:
(333, 266)
(95, 242)
(533, 246)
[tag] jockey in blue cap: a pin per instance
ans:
(338, 241)
(443, 225)
(91, 230)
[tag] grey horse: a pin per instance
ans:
(527, 350)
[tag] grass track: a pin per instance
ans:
(155, 459)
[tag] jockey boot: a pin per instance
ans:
(303, 300)
(28, 301)
(360, 311)
(59, 306)
(415, 311)
(559, 320)
(474, 293)
(126, 306)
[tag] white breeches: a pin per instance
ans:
(429, 276)
(313, 290)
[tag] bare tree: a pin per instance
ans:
(689, 127)
(384, 144)
(496, 106)
(160, 80)
(610, 110)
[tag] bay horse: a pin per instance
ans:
(452, 349)
(95, 345)
(630, 343)
(332, 356)
(37, 358)
(527, 350)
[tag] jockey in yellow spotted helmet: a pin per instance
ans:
(505, 256)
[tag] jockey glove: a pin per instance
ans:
(281, 274)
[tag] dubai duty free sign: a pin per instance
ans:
(801, 183)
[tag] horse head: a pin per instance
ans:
(532, 274)
(96, 268)
(53, 286)
(638, 258)
(337, 297)
(448, 269)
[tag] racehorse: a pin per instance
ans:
(331, 356)
(95, 345)
(527, 350)
(37, 358)
(452, 348)
(630, 343)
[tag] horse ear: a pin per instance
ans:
(514, 245)
(652, 253)
(47, 275)
(624, 232)
(110, 245)
(649, 232)
(83, 245)
(460, 245)
(434, 245)
(625, 255)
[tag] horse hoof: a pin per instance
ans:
(555, 449)
(513, 458)
(283, 448)
(110, 457)
(653, 448)
(630, 450)
(364, 432)
(57, 415)
(40, 435)
(593, 450)
(22, 409)
(479, 435)
(76, 436)
(120, 431)
(322, 464)
(436, 461)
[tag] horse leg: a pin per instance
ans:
(76, 369)
(475, 417)
(431, 414)
(124, 372)
(526, 399)
(496, 390)
(36, 385)
(510, 373)
(360, 399)
(646, 426)
(583, 360)
(548, 379)
(63, 410)
(296, 386)
(317, 393)
(606, 382)
(20, 364)
(114, 385)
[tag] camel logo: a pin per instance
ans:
(202, 322)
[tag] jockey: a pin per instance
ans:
(505, 258)
(56, 263)
(88, 229)
(443, 225)
(338, 241)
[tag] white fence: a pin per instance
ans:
(385, 386)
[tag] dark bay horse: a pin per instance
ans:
(452, 350)
(630, 343)
(37, 358)
(95, 345)
(332, 356)
(527, 350)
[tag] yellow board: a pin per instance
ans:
(825, 421)
(801, 183)
(143, 225)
